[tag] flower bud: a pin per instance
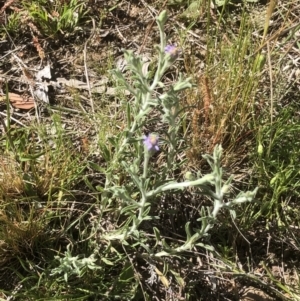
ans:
(163, 17)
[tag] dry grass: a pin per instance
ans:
(12, 182)
(52, 172)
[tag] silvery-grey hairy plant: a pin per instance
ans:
(73, 265)
(134, 151)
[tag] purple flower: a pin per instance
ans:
(173, 51)
(151, 142)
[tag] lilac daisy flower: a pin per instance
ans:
(173, 51)
(151, 142)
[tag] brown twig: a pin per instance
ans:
(6, 4)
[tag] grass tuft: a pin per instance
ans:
(223, 101)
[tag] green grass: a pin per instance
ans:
(47, 18)
(54, 212)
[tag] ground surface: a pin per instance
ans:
(256, 255)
